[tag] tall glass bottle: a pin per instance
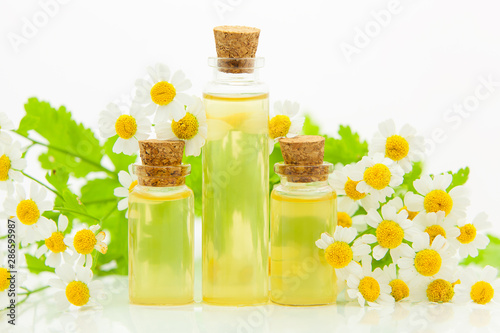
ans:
(236, 184)
(303, 206)
(161, 232)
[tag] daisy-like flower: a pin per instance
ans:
(401, 205)
(11, 162)
(468, 240)
(76, 287)
(438, 290)
(285, 123)
(391, 228)
(404, 147)
(54, 248)
(433, 196)
(436, 224)
(478, 286)
(377, 175)
(342, 183)
(399, 289)
(163, 93)
(427, 261)
(5, 125)
(28, 211)
(129, 127)
(346, 208)
(192, 128)
(128, 180)
(339, 253)
(85, 242)
(4, 284)
(369, 286)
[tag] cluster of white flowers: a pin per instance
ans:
(419, 236)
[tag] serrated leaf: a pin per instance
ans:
(310, 128)
(459, 178)
(348, 149)
(36, 265)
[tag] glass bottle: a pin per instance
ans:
(303, 206)
(236, 185)
(161, 236)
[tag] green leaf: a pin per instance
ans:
(489, 256)
(194, 181)
(310, 128)
(459, 178)
(120, 161)
(348, 149)
(409, 178)
(36, 265)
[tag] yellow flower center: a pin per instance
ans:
(4, 279)
(163, 93)
(338, 254)
(55, 243)
(435, 230)
(132, 185)
(350, 190)
(377, 176)
(428, 262)
(467, 233)
(186, 128)
(344, 220)
(279, 126)
(27, 212)
(411, 215)
(369, 288)
(400, 289)
(77, 293)
(126, 126)
(396, 147)
(440, 291)
(389, 234)
(4, 167)
(438, 200)
(481, 292)
(84, 241)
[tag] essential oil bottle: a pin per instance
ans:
(236, 174)
(303, 206)
(161, 227)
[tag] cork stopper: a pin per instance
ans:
(303, 159)
(236, 45)
(162, 163)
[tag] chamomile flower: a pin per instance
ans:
(343, 184)
(433, 196)
(27, 211)
(438, 290)
(427, 261)
(369, 286)
(76, 286)
(391, 228)
(163, 93)
(468, 240)
(401, 205)
(11, 162)
(285, 123)
(192, 128)
(128, 180)
(400, 290)
(5, 125)
(339, 253)
(377, 175)
(436, 224)
(4, 284)
(54, 248)
(403, 148)
(479, 286)
(129, 127)
(346, 208)
(84, 242)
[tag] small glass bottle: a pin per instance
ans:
(161, 227)
(303, 206)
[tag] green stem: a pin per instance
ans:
(44, 185)
(113, 208)
(28, 293)
(62, 210)
(26, 150)
(97, 165)
(3, 237)
(92, 202)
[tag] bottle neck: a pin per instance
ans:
(284, 181)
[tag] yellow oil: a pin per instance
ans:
(236, 201)
(300, 274)
(161, 245)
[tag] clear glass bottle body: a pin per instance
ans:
(161, 245)
(300, 213)
(235, 190)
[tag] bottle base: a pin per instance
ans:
(235, 301)
(161, 302)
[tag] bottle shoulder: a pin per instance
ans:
(324, 192)
(161, 193)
